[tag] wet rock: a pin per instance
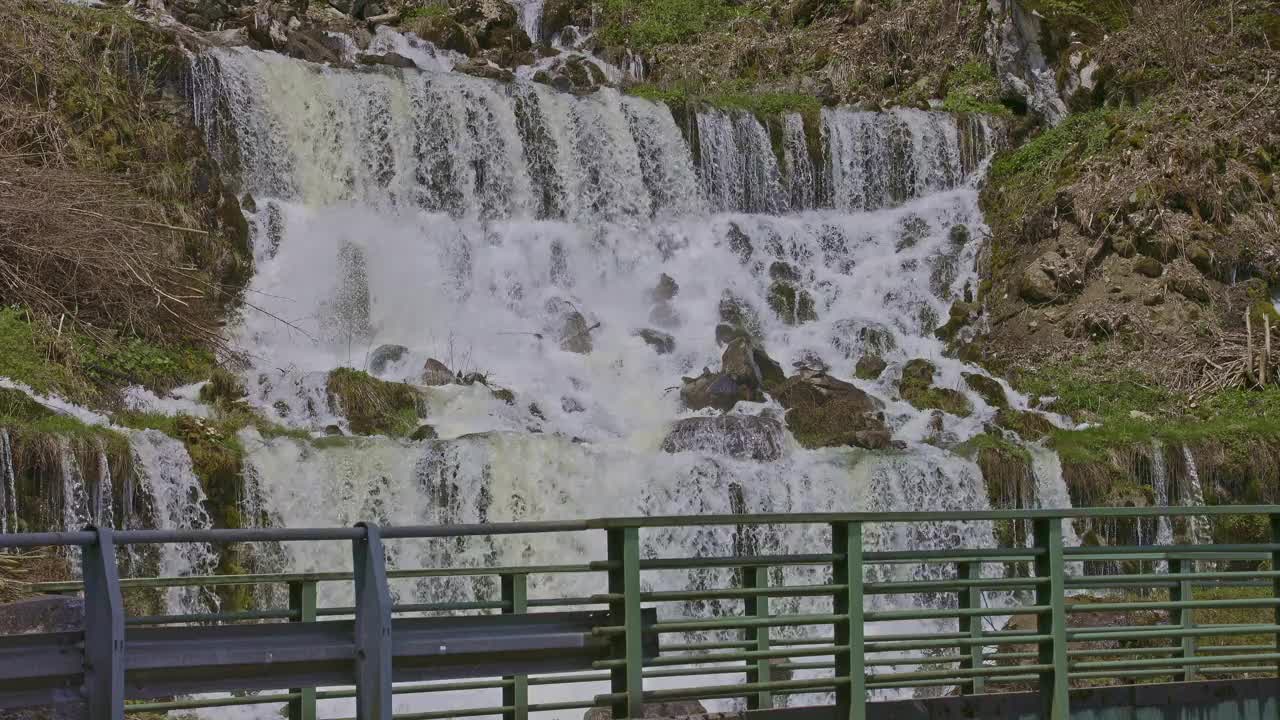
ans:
(869, 367)
(573, 73)
(665, 290)
(783, 271)
(655, 711)
(445, 33)
(738, 361)
(505, 395)
(990, 390)
(916, 387)
(435, 372)
(575, 334)
(738, 436)
(811, 361)
(959, 234)
(739, 243)
(1027, 424)
(560, 14)
(333, 431)
(665, 315)
(662, 343)
(390, 59)
(424, 432)
(485, 70)
(825, 412)
(716, 390)
(384, 356)
(739, 314)
(854, 338)
(726, 333)
(493, 23)
(1148, 266)
(571, 405)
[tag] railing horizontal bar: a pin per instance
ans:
(552, 707)
(1172, 604)
(1188, 551)
(569, 679)
(212, 617)
(569, 601)
(887, 615)
(730, 657)
(1157, 632)
(805, 666)
(1118, 673)
(959, 642)
(872, 683)
(719, 691)
(731, 593)
(1177, 662)
(1233, 648)
(735, 562)
(506, 528)
(1268, 669)
(199, 703)
(685, 647)
(17, 540)
(902, 588)
(987, 671)
(992, 555)
(906, 517)
(1089, 580)
(449, 714)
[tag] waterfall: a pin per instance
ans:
(103, 516)
(1160, 487)
(1199, 529)
(177, 500)
(75, 496)
(466, 219)
(8, 485)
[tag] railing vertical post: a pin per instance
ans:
(103, 629)
(971, 625)
(302, 601)
(758, 670)
(1183, 618)
(846, 545)
(515, 601)
(372, 626)
(624, 580)
(1275, 582)
(1054, 684)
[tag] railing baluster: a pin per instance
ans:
(1054, 684)
(1183, 618)
(758, 670)
(103, 629)
(515, 601)
(970, 599)
(372, 626)
(302, 600)
(624, 579)
(846, 543)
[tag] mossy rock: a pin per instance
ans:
(869, 367)
(960, 315)
(224, 387)
(792, 305)
(1028, 425)
(917, 388)
(373, 406)
(838, 423)
(990, 390)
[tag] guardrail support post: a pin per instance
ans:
(1183, 618)
(758, 670)
(515, 601)
(846, 544)
(302, 600)
(971, 625)
(372, 626)
(103, 629)
(1275, 582)
(624, 579)
(1054, 684)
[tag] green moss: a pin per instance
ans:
(973, 88)
(431, 9)
(373, 406)
(917, 388)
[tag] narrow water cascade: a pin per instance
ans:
(1051, 488)
(1160, 487)
(8, 485)
(76, 510)
(1199, 529)
(174, 499)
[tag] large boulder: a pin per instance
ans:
(716, 390)
(435, 372)
(662, 343)
(573, 73)
(744, 437)
(560, 14)
(1048, 279)
(825, 412)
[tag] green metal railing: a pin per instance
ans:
(1172, 613)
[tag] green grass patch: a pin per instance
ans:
(646, 23)
(373, 406)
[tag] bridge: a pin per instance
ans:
(1035, 629)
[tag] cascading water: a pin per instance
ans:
(466, 220)
(8, 485)
(1199, 531)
